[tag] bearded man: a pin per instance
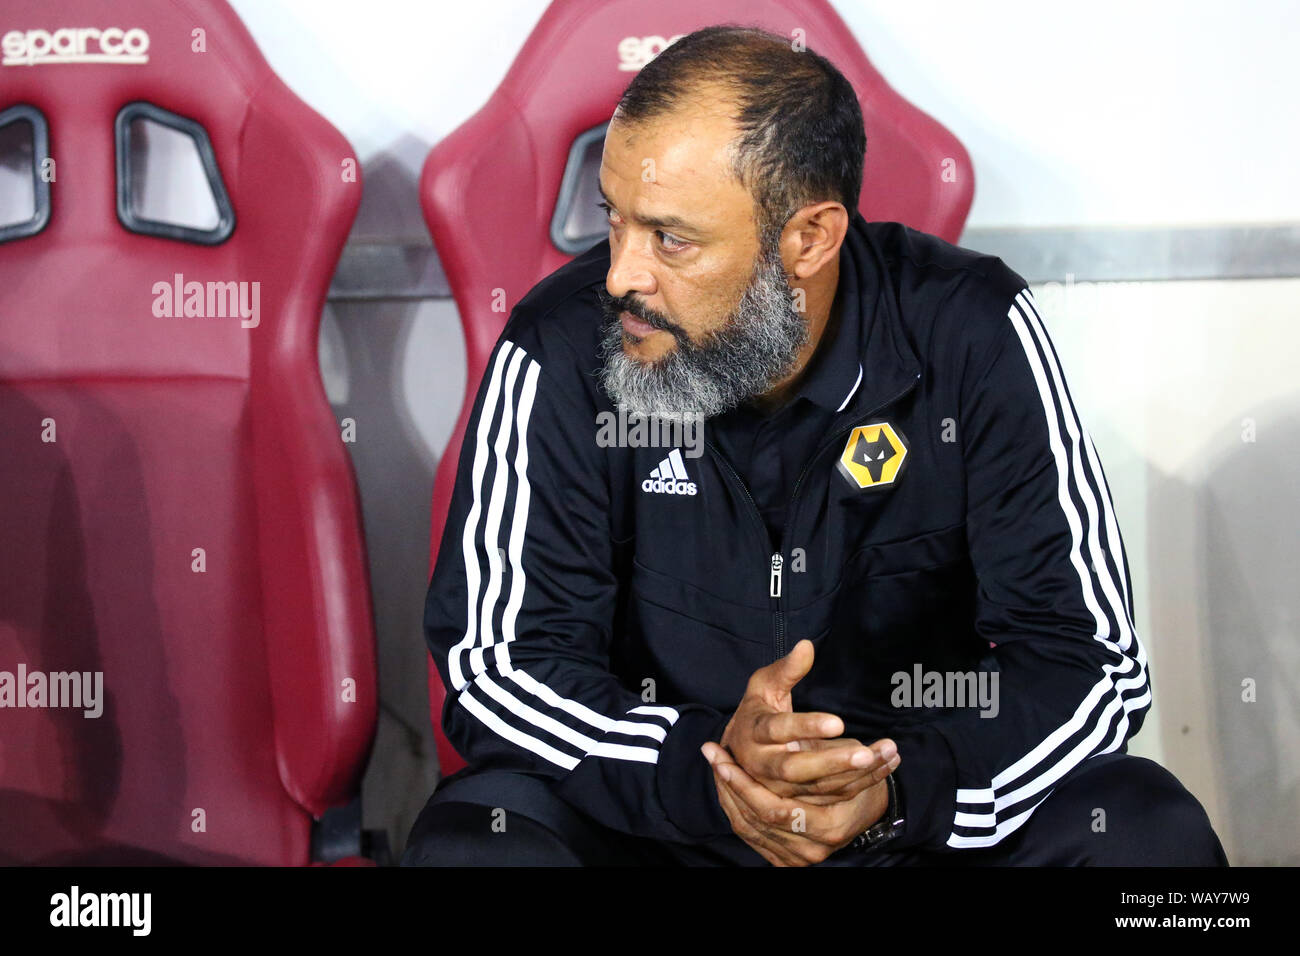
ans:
(882, 617)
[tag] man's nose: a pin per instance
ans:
(628, 270)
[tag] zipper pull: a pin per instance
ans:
(775, 590)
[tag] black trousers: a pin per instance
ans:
(501, 818)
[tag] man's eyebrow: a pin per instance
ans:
(658, 222)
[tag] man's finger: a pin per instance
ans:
(884, 745)
(730, 775)
(857, 754)
(787, 728)
(750, 829)
(767, 806)
(808, 765)
(716, 753)
(819, 743)
(776, 828)
(843, 786)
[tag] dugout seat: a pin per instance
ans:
(522, 170)
(178, 512)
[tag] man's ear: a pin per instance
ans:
(813, 237)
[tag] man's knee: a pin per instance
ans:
(501, 818)
(452, 833)
(1123, 810)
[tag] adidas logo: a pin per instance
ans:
(670, 477)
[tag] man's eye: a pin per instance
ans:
(671, 243)
(668, 241)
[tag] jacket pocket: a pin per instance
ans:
(694, 608)
(897, 604)
(696, 646)
(912, 601)
(932, 549)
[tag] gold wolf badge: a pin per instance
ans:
(873, 456)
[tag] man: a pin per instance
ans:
(881, 617)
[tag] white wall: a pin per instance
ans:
(1190, 393)
(1111, 112)
(1133, 112)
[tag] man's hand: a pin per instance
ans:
(788, 832)
(793, 789)
(799, 755)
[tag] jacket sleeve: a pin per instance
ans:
(1053, 596)
(520, 611)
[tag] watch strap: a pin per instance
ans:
(888, 827)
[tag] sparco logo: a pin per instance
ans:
(636, 52)
(75, 45)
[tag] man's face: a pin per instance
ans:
(699, 317)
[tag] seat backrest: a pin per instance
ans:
(522, 154)
(177, 510)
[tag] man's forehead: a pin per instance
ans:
(691, 139)
(671, 162)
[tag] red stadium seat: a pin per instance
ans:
(521, 155)
(177, 510)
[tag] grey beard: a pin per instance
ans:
(756, 348)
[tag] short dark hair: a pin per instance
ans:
(801, 135)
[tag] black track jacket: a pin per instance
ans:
(596, 630)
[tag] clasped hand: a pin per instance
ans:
(793, 788)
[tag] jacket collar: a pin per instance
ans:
(889, 364)
(835, 369)
(866, 361)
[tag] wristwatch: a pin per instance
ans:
(888, 827)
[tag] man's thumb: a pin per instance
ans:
(796, 665)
